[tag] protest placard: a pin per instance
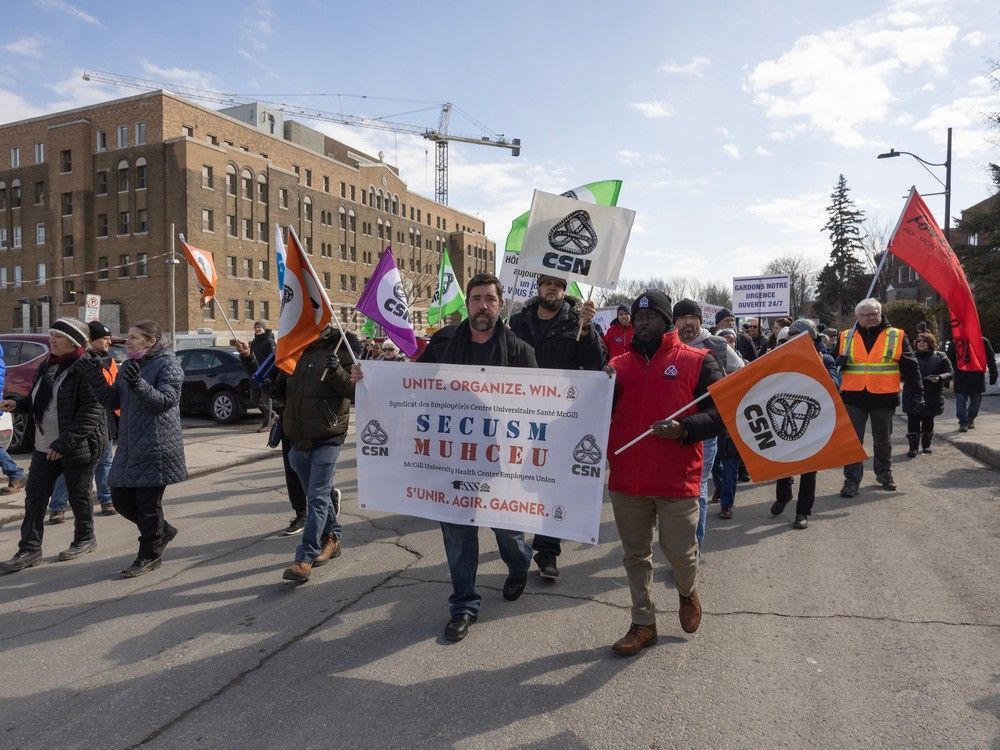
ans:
(762, 295)
(503, 447)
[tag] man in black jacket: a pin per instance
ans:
(744, 344)
(549, 324)
(482, 339)
(262, 345)
(970, 385)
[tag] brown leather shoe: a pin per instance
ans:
(331, 548)
(298, 571)
(13, 486)
(690, 612)
(636, 639)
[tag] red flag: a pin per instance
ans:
(204, 269)
(305, 308)
(919, 242)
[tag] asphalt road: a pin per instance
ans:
(878, 626)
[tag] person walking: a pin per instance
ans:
(482, 339)
(67, 421)
(873, 358)
(100, 343)
(935, 373)
(549, 324)
(807, 481)
(263, 346)
(970, 385)
(620, 333)
(150, 453)
(744, 345)
(14, 473)
(656, 482)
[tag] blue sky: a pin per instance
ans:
(728, 122)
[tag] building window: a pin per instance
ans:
(231, 225)
(283, 197)
(309, 178)
(326, 183)
(262, 189)
(262, 231)
(973, 240)
(206, 176)
(213, 139)
(248, 229)
(234, 309)
(298, 172)
(3, 195)
(142, 264)
(122, 136)
(15, 157)
(69, 291)
(101, 183)
(102, 140)
(327, 278)
(39, 234)
(230, 180)
(343, 282)
(17, 237)
(40, 274)
(246, 178)
(207, 220)
(262, 269)
(308, 208)
(343, 190)
(142, 221)
(265, 310)
(39, 153)
(352, 193)
(248, 267)
(66, 161)
(15, 194)
(124, 220)
(102, 268)
(343, 251)
(140, 174)
(67, 204)
(3, 238)
(208, 311)
(123, 266)
(123, 176)
(39, 193)
(140, 133)
(248, 309)
(231, 264)
(354, 283)
(17, 276)
(102, 225)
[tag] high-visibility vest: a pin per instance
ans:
(110, 375)
(875, 371)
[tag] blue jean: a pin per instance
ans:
(461, 546)
(315, 468)
(708, 449)
(11, 469)
(729, 474)
(60, 497)
(966, 407)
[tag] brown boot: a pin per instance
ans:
(298, 571)
(13, 486)
(690, 612)
(637, 638)
(331, 548)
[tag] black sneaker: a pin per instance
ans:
(547, 567)
(57, 516)
(169, 534)
(778, 507)
(801, 521)
(295, 526)
(886, 481)
(76, 549)
(20, 561)
(849, 490)
(513, 587)
(140, 566)
(972, 424)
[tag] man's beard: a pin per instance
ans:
(482, 321)
(552, 304)
(684, 336)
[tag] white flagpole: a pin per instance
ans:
(226, 318)
(650, 430)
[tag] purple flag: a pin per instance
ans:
(384, 301)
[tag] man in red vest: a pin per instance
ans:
(620, 333)
(656, 482)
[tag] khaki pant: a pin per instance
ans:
(636, 516)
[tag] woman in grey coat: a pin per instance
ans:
(150, 445)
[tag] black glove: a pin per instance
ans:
(842, 360)
(130, 372)
(268, 387)
(332, 362)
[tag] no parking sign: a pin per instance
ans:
(92, 308)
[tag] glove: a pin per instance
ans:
(130, 372)
(915, 406)
(268, 386)
(842, 360)
(332, 362)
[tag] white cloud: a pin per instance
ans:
(974, 39)
(628, 157)
(966, 115)
(181, 76)
(786, 134)
(723, 132)
(681, 182)
(257, 25)
(30, 46)
(761, 151)
(802, 214)
(61, 6)
(732, 150)
(73, 92)
(928, 87)
(692, 67)
(653, 109)
(904, 118)
(839, 80)
(14, 108)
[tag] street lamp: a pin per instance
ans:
(946, 184)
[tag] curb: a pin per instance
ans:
(990, 457)
(248, 459)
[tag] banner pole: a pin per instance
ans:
(650, 430)
(579, 330)
(226, 318)
(878, 270)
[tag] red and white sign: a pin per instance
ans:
(92, 308)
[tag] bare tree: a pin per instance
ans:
(801, 274)
(874, 243)
(717, 293)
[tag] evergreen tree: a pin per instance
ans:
(840, 283)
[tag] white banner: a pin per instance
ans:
(762, 295)
(575, 240)
(518, 285)
(503, 447)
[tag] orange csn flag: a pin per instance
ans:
(305, 308)
(784, 414)
(204, 269)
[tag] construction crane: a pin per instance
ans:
(440, 136)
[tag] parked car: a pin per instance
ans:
(23, 354)
(6, 429)
(215, 383)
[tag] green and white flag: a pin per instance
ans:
(520, 286)
(368, 329)
(451, 299)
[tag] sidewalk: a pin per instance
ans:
(208, 447)
(982, 443)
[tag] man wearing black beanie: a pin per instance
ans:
(656, 481)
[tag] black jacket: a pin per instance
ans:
(909, 373)
(931, 363)
(745, 347)
(454, 346)
(262, 345)
(559, 349)
(967, 381)
(82, 428)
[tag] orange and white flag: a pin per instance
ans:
(203, 265)
(305, 308)
(784, 414)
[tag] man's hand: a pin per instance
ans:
(8, 405)
(332, 362)
(243, 348)
(588, 312)
(130, 372)
(842, 360)
(53, 455)
(670, 429)
(609, 370)
(356, 374)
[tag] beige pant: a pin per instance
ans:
(636, 516)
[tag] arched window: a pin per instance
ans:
(343, 218)
(395, 205)
(230, 179)
(246, 180)
(262, 188)
(378, 200)
(352, 221)
(307, 205)
(3, 195)
(140, 173)
(123, 176)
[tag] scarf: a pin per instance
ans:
(459, 348)
(53, 367)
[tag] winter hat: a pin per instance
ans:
(542, 277)
(624, 309)
(782, 335)
(725, 332)
(802, 325)
(98, 330)
(722, 314)
(656, 301)
(73, 329)
(687, 307)
(259, 323)
(388, 346)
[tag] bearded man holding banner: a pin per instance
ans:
(874, 357)
(657, 481)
